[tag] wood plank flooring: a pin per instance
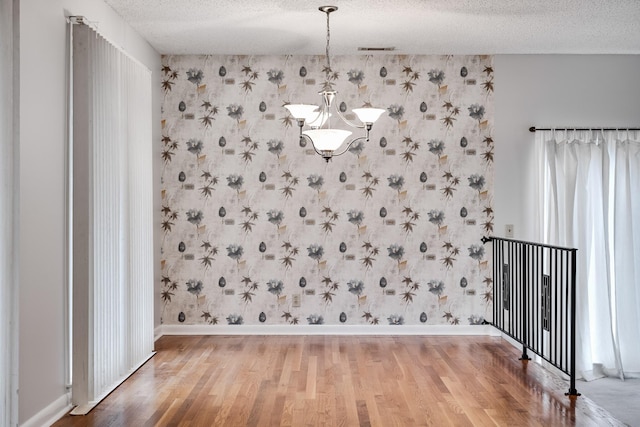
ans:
(340, 381)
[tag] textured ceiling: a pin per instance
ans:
(411, 26)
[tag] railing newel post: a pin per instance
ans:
(572, 367)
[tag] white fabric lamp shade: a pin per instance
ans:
(327, 139)
(302, 111)
(368, 115)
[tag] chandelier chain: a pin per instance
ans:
(327, 47)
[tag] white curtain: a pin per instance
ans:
(112, 217)
(588, 191)
(8, 213)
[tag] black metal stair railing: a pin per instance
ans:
(534, 300)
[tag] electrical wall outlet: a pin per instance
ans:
(296, 300)
(508, 231)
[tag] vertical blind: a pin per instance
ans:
(112, 217)
(8, 213)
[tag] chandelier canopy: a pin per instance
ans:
(326, 140)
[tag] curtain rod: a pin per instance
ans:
(533, 129)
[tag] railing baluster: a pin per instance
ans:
(563, 303)
(556, 330)
(524, 307)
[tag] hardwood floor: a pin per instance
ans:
(340, 381)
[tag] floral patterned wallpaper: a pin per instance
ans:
(258, 229)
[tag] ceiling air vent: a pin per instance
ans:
(376, 49)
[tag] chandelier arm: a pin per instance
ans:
(322, 113)
(348, 122)
(366, 138)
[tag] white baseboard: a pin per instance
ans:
(510, 340)
(157, 333)
(52, 413)
(326, 330)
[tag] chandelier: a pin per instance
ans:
(325, 139)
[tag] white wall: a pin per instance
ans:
(42, 150)
(547, 91)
